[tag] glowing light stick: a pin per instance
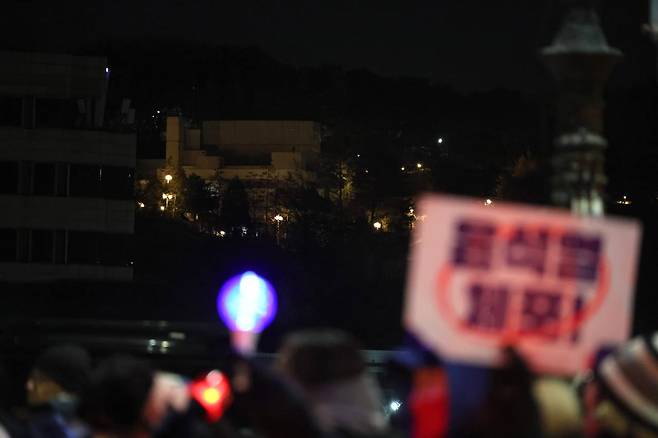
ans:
(247, 304)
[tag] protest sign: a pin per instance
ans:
(485, 276)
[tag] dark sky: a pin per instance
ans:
(470, 44)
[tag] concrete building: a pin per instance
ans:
(66, 183)
(263, 154)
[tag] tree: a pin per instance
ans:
(200, 202)
(235, 205)
(172, 180)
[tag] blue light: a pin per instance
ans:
(247, 303)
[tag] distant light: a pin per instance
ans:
(440, 140)
(488, 202)
(107, 69)
(141, 204)
(419, 165)
(157, 112)
(358, 155)
(247, 303)
(402, 168)
(278, 218)
(366, 170)
(624, 201)
(411, 210)
(377, 225)
(168, 177)
(222, 233)
(162, 208)
(395, 405)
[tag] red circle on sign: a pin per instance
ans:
(570, 323)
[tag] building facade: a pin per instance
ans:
(66, 183)
(263, 154)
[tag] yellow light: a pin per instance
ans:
(419, 165)
(141, 204)
(377, 225)
(488, 202)
(222, 233)
(211, 395)
(168, 178)
(162, 208)
(402, 168)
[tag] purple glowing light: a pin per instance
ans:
(247, 303)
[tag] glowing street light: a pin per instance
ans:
(141, 204)
(162, 208)
(278, 218)
(488, 202)
(377, 225)
(394, 405)
(440, 140)
(402, 168)
(168, 178)
(419, 165)
(167, 197)
(624, 200)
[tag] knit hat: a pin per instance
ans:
(629, 378)
(68, 365)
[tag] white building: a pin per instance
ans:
(263, 154)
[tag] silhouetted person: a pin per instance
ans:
(56, 382)
(329, 367)
(621, 398)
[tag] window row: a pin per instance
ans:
(65, 247)
(64, 179)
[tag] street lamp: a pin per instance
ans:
(167, 197)
(377, 225)
(419, 165)
(168, 178)
(278, 218)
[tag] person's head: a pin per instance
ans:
(117, 394)
(330, 369)
(508, 407)
(317, 357)
(59, 370)
(622, 398)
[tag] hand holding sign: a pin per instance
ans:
(247, 304)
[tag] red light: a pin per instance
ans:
(213, 393)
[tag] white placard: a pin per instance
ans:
(553, 285)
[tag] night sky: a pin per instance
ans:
(469, 44)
